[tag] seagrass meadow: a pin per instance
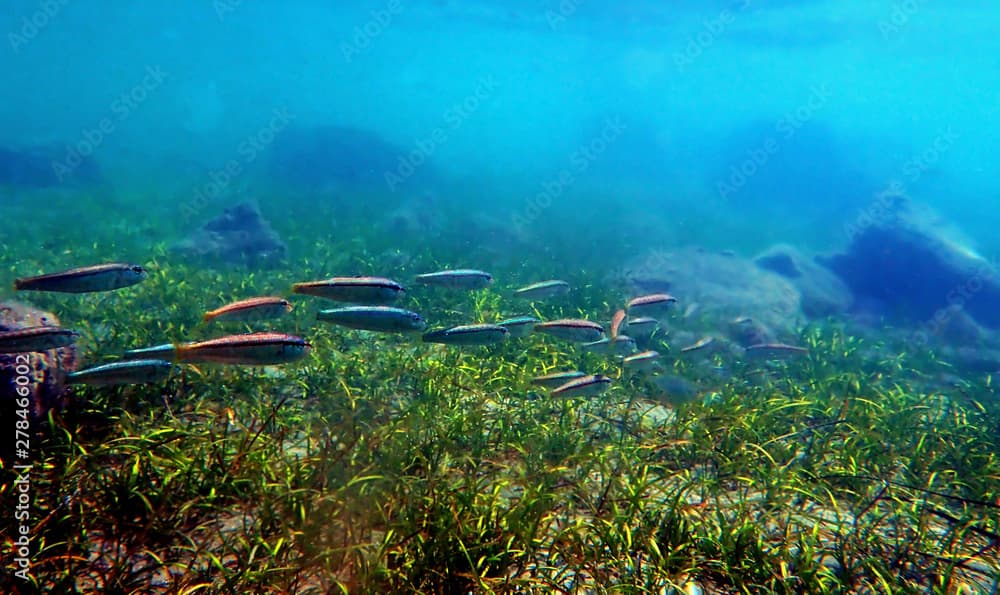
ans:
(381, 464)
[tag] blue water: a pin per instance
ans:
(694, 113)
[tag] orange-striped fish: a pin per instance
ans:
(253, 349)
(616, 323)
(372, 291)
(584, 386)
(569, 329)
(699, 345)
(650, 305)
(36, 338)
(101, 277)
(252, 309)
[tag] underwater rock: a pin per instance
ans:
(726, 287)
(332, 158)
(823, 293)
(240, 235)
(46, 370)
(47, 167)
(903, 261)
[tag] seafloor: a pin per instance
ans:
(385, 465)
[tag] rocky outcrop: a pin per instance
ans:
(43, 373)
(823, 293)
(239, 236)
(730, 292)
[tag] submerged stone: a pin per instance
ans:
(240, 235)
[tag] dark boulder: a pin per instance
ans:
(240, 235)
(47, 167)
(903, 261)
(325, 158)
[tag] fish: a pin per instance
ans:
(100, 277)
(164, 351)
(36, 338)
(520, 326)
(384, 319)
(137, 371)
(373, 291)
(642, 327)
(643, 361)
(691, 309)
(775, 351)
(576, 330)
(468, 334)
(602, 344)
(251, 310)
(556, 379)
(543, 290)
(621, 345)
(456, 279)
(252, 349)
(618, 323)
(699, 345)
(585, 386)
(650, 305)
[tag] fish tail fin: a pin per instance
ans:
(208, 317)
(18, 284)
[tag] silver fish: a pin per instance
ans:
(570, 329)
(702, 344)
(543, 290)
(774, 351)
(36, 338)
(374, 318)
(101, 277)
(164, 351)
(457, 279)
(584, 386)
(469, 334)
(642, 362)
(556, 379)
(356, 290)
(642, 327)
(139, 371)
(622, 345)
(520, 326)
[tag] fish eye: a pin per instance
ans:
(138, 269)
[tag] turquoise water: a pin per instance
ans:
(499, 98)
(808, 423)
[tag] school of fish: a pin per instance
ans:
(366, 305)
